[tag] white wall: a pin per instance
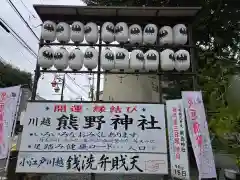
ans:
(132, 88)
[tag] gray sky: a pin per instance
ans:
(15, 53)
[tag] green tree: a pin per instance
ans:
(216, 33)
(11, 76)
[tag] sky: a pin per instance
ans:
(13, 52)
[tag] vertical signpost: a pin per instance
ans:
(199, 134)
(177, 139)
(9, 103)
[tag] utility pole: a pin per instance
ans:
(63, 86)
(91, 87)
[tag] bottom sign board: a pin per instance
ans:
(87, 176)
(70, 162)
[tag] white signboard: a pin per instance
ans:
(69, 162)
(9, 99)
(199, 134)
(119, 130)
(94, 127)
(177, 139)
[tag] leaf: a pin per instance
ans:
(12, 76)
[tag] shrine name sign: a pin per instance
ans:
(113, 138)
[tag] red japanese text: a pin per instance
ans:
(99, 108)
(60, 108)
(76, 108)
(1, 121)
(115, 109)
(195, 124)
(131, 109)
(176, 133)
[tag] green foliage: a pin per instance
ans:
(233, 97)
(214, 82)
(10, 76)
(216, 31)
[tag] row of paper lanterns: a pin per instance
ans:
(120, 32)
(117, 59)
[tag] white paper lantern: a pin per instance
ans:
(151, 60)
(135, 34)
(91, 33)
(77, 32)
(61, 56)
(180, 35)
(182, 60)
(63, 32)
(121, 58)
(107, 32)
(48, 31)
(165, 35)
(76, 59)
(107, 59)
(45, 57)
(121, 32)
(167, 60)
(137, 59)
(150, 34)
(90, 58)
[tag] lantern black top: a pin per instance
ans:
(100, 14)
